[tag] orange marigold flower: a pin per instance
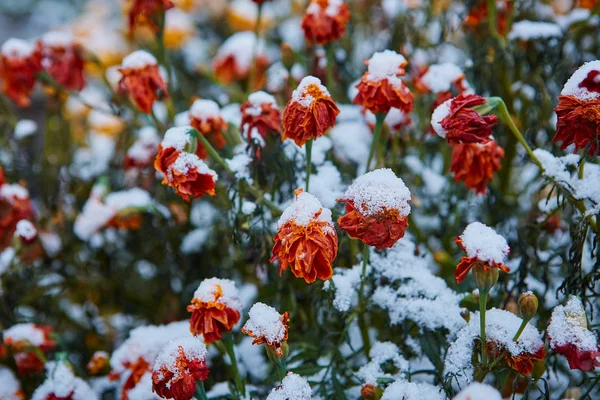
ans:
(381, 87)
(19, 63)
(15, 206)
(306, 240)
(138, 369)
(578, 110)
(185, 172)
(205, 116)
(266, 325)
(376, 209)
(475, 164)
(21, 339)
(98, 363)
(62, 59)
(456, 121)
(235, 59)
(177, 368)
(141, 80)
(484, 247)
(144, 12)
(261, 113)
(215, 309)
(325, 21)
(569, 336)
(479, 13)
(310, 112)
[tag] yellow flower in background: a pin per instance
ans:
(242, 15)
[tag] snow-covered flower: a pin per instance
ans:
(235, 59)
(141, 80)
(293, 386)
(62, 384)
(458, 122)
(63, 59)
(475, 164)
(325, 21)
(21, 339)
(267, 326)
(20, 61)
(205, 116)
(260, 112)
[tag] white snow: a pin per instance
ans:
(177, 137)
(572, 88)
(406, 390)
(59, 39)
(240, 45)
(440, 77)
(25, 332)
(351, 142)
(293, 387)
(257, 100)
(380, 354)
(482, 242)
(186, 161)
(300, 95)
(193, 349)
(9, 384)
(203, 109)
(302, 211)
(264, 321)
(17, 48)
(386, 65)
(25, 230)
(138, 59)
(568, 325)
(440, 112)
(478, 391)
(332, 9)
(12, 192)
(62, 383)
(24, 128)
(230, 297)
(530, 30)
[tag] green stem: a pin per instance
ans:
(492, 23)
(379, 118)
(157, 123)
(162, 52)
(200, 391)
(239, 382)
(483, 295)
(521, 329)
(329, 52)
(308, 161)
(362, 320)
(580, 170)
(252, 74)
(260, 198)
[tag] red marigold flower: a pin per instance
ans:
(141, 80)
(19, 63)
(61, 384)
(310, 112)
(63, 59)
(215, 309)
(523, 363)
(177, 368)
(306, 240)
(569, 335)
(376, 209)
(578, 110)
(260, 112)
(266, 325)
(325, 21)
(205, 116)
(475, 164)
(21, 339)
(479, 13)
(381, 87)
(144, 12)
(484, 247)
(236, 57)
(456, 120)
(138, 369)
(185, 172)
(15, 206)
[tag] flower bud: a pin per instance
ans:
(528, 305)
(371, 392)
(466, 315)
(485, 277)
(287, 55)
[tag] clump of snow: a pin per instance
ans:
(530, 30)
(25, 332)
(61, 383)
(572, 87)
(406, 390)
(440, 77)
(24, 128)
(351, 142)
(303, 210)
(380, 354)
(257, 100)
(139, 59)
(479, 391)
(144, 148)
(187, 161)
(25, 230)
(264, 321)
(346, 282)
(293, 387)
(326, 184)
(568, 325)
(440, 112)
(9, 384)
(239, 165)
(203, 109)
(194, 240)
(177, 137)
(482, 242)
(193, 349)
(394, 119)
(501, 327)
(240, 45)
(12, 192)
(277, 77)
(379, 191)
(179, 21)
(143, 389)
(331, 9)
(303, 96)
(57, 39)
(130, 198)
(17, 48)
(208, 289)
(386, 65)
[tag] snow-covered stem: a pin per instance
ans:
(308, 161)
(379, 119)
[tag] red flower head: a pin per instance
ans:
(15, 206)
(568, 335)
(325, 21)
(484, 247)
(183, 171)
(310, 112)
(205, 116)
(21, 339)
(144, 12)
(137, 371)
(215, 309)
(266, 325)
(457, 121)
(475, 164)
(376, 209)
(381, 88)
(141, 80)
(578, 110)
(25, 231)
(61, 384)
(235, 57)
(178, 366)
(19, 63)
(260, 112)
(306, 240)
(479, 14)
(63, 59)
